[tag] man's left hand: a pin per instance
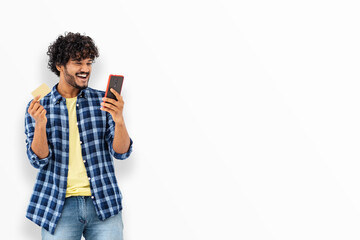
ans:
(114, 107)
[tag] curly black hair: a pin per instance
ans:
(70, 46)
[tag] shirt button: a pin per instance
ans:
(77, 123)
(80, 142)
(89, 179)
(77, 105)
(92, 197)
(84, 161)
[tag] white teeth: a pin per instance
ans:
(82, 75)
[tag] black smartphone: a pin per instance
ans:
(115, 82)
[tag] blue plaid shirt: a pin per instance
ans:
(96, 129)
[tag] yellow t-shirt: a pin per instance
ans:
(77, 180)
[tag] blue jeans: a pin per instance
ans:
(79, 218)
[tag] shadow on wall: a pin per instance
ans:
(29, 229)
(28, 173)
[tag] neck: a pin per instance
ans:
(66, 90)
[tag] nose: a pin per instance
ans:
(85, 68)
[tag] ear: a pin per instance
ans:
(59, 67)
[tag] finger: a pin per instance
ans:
(117, 95)
(38, 111)
(110, 100)
(43, 113)
(36, 106)
(33, 109)
(107, 110)
(109, 105)
(35, 100)
(113, 101)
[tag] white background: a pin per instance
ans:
(244, 114)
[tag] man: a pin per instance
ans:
(71, 135)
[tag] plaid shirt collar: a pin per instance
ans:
(56, 96)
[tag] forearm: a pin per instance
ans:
(40, 144)
(121, 142)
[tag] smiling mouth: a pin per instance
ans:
(82, 76)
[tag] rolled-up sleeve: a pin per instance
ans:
(110, 131)
(35, 161)
(122, 156)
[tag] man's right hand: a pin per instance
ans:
(37, 111)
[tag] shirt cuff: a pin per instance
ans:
(122, 156)
(36, 161)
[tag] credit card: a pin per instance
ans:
(43, 90)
